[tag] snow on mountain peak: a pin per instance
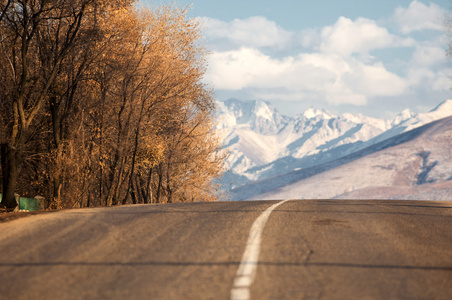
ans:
(381, 124)
(263, 143)
(263, 110)
(403, 116)
(444, 107)
(226, 119)
(312, 113)
(410, 120)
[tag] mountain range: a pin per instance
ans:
(269, 151)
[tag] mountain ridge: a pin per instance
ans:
(263, 143)
(413, 164)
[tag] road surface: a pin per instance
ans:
(306, 249)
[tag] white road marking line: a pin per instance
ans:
(248, 265)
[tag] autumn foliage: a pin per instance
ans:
(103, 104)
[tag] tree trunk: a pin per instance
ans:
(56, 204)
(168, 185)
(140, 190)
(148, 194)
(160, 183)
(118, 186)
(10, 173)
(101, 140)
(57, 167)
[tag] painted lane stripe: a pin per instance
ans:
(248, 265)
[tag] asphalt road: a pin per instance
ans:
(309, 249)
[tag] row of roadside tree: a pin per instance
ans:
(102, 103)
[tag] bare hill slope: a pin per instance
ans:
(413, 165)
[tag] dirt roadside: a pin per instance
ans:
(6, 216)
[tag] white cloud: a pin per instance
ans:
(429, 69)
(345, 37)
(360, 36)
(335, 64)
(309, 38)
(422, 78)
(337, 79)
(429, 56)
(247, 67)
(374, 80)
(256, 32)
(419, 16)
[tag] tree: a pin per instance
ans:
(194, 159)
(102, 104)
(24, 26)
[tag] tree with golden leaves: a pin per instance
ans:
(28, 71)
(103, 104)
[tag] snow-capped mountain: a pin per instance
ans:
(413, 165)
(262, 143)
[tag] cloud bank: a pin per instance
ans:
(336, 64)
(419, 16)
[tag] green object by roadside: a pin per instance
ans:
(30, 204)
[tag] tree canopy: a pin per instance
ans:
(103, 104)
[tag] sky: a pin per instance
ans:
(371, 57)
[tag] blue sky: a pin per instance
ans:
(370, 57)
